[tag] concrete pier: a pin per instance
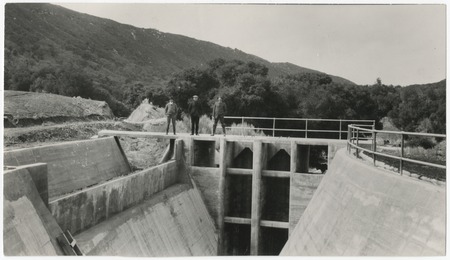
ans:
(256, 198)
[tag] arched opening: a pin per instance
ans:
(244, 160)
(281, 161)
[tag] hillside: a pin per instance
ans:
(44, 40)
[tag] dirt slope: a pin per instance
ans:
(46, 119)
(29, 108)
(145, 113)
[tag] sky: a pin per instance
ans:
(400, 44)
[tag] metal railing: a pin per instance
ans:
(275, 130)
(357, 134)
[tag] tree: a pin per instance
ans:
(192, 82)
(378, 81)
(134, 94)
(157, 96)
(420, 102)
(243, 86)
(386, 99)
(74, 82)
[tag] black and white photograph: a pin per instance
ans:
(204, 129)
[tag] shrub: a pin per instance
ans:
(204, 127)
(433, 155)
(247, 131)
(420, 141)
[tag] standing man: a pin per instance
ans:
(194, 110)
(219, 111)
(171, 113)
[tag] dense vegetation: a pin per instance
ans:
(248, 91)
(52, 49)
(421, 108)
(55, 50)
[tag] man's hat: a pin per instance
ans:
(195, 96)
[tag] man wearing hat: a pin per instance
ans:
(194, 110)
(219, 111)
(171, 113)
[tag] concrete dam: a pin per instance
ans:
(212, 196)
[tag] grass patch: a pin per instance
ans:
(204, 127)
(434, 155)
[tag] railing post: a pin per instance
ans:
(242, 126)
(349, 139)
(374, 147)
(352, 135)
(357, 143)
(273, 127)
(401, 154)
(306, 129)
(340, 129)
(357, 137)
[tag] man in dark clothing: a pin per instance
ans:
(219, 111)
(171, 113)
(194, 110)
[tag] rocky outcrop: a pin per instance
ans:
(146, 113)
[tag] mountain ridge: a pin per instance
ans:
(121, 52)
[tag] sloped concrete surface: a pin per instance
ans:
(28, 227)
(302, 189)
(207, 181)
(174, 222)
(360, 210)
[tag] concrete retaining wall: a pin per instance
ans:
(333, 148)
(360, 210)
(28, 227)
(88, 207)
(174, 222)
(207, 181)
(302, 188)
(74, 165)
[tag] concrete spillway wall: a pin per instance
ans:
(302, 189)
(74, 165)
(207, 181)
(161, 203)
(362, 210)
(260, 193)
(28, 226)
(174, 222)
(88, 207)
